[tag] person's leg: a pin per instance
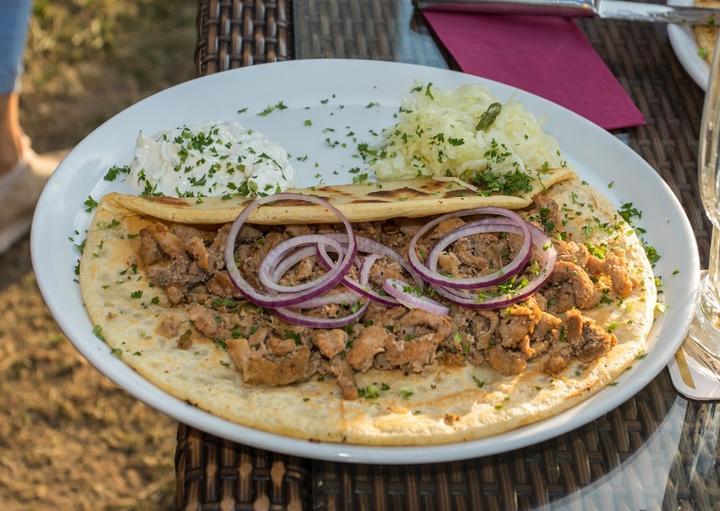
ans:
(14, 18)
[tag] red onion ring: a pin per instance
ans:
(297, 318)
(483, 226)
(291, 260)
(504, 273)
(548, 257)
(331, 279)
(342, 298)
(394, 287)
(272, 263)
(374, 248)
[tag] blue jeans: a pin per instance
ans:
(14, 17)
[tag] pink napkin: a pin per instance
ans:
(545, 55)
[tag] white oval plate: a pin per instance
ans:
(682, 40)
(350, 86)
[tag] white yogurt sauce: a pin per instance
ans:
(210, 159)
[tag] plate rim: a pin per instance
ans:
(684, 45)
(511, 440)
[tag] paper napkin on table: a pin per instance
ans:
(548, 56)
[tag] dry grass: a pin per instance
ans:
(69, 438)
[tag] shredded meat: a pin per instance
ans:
(379, 315)
(587, 339)
(369, 343)
(449, 264)
(150, 251)
(196, 248)
(421, 325)
(330, 342)
(258, 367)
(345, 379)
(416, 354)
(445, 227)
(616, 268)
(185, 341)
(571, 287)
(385, 269)
(549, 211)
(169, 327)
(208, 322)
(281, 347)
(517, 325)
(221, 285)
(548, 327)
(558, 359)
(505, 361)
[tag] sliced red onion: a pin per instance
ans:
(342, 298)
(396, 289)
(328, 281)
(376, 250)
(433, 277)
(487, 225)
(298, 318)
(273, 262)
(291, 260)
(548, 257)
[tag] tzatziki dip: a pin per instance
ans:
(211, 159)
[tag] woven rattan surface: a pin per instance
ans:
(235, 33)
(655, 451)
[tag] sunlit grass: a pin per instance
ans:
(70, 438)
(88, 59)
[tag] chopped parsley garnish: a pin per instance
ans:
(548, 224)
(412, 290)
(360, 178)
(510, 183)
(456, 141)
(627, 211)
(405, 394)
(612, 327)
(294, 336)
(224, 302)
(242, 110)
(427, 91)
(598, 251)
(611, 184)
(372, 104)
(116, 352)
(98, 332)
(221, 344)
(702, 53)
(488, 117)
(369, 392)
(651, 252)
(136, 294)
(270, 109)
(308, 122)
(114, 171)
(480, 384)
(90, 204)
(384, 386)
(155, 300)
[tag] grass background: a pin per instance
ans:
(69, 438)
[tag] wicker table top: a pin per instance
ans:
(657, 450)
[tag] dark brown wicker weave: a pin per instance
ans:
(655, 451)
